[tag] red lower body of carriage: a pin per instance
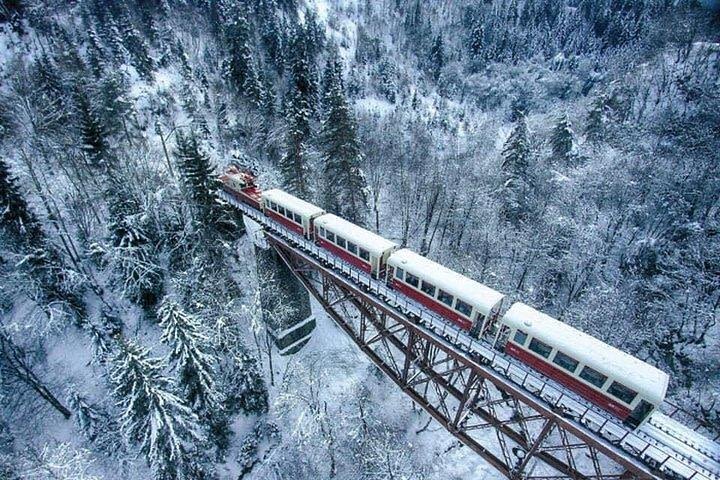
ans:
(617, 409)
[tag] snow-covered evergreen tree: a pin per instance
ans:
(596, 119)
(198, 176)
(345, 189)
(152, 417)
(190, 354)
(17, 221)
(562, 140)
(515, 170)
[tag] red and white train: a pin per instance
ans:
(621, 384)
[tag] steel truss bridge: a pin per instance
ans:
(522, 423)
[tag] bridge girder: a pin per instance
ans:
(517, 435)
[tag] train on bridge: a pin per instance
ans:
(615, 381)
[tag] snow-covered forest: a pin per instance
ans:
(563, 152)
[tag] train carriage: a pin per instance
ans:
(295, 214)
(621, 384)
(459, 299)
(354, 244)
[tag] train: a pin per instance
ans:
(624, 386)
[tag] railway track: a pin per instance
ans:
(663, 444)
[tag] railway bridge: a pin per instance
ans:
(522, 423)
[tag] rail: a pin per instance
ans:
(661, 444)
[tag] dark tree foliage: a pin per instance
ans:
(596, 120)
(299, 110)
(436, 57)
(153, 417)
(515, 169)
(344, 192)
(93, 134)
(562, 140)
(199, 177)
(18, 222)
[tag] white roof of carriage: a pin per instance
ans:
(373, 243)
(301, 207)
(480, 296)
(650, 382)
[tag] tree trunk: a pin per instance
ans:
(13, 359)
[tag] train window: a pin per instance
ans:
(364, 254)
(463, 308)
(618, 390)
(445, 298)
(412, 279)
(520, 337)
(340, 241)
(428, 288)
(352, 248)
(593, 376)
(321, 231)
(542, 349)
(566, 362)
(400, 273)
(330, 235)
(297, 218)
(282, 211)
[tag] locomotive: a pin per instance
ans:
(623, 385)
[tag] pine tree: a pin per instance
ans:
(477, 46)
(198, 176)
(595, 126)
(516, 189)
(246, 389)
(436, 58)
(95, 54)
(562, 140)
(17, 221)
(190, 354)
(152, 416)
(298, 113)
(135, 45)
(345, 187)
(240, 69)
(92, 130)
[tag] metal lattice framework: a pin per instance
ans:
(517, 434)
(522, 423)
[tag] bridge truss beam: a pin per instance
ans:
(519, 436)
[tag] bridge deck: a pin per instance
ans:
(662, 445)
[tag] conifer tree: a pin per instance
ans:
(152, 416)
(595, 126)
(299, 110)
(92, 131)
(17, 221)
(436, 57)
(95, 53)
(240, 69)
(190, 354)
(477, 45)
(345, 189)
(135, 45)
(562, 140)
(198, 176)
(515, 168)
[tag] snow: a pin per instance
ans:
(650, 382)
(374, 105)
(373, 243)
(480, 296)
